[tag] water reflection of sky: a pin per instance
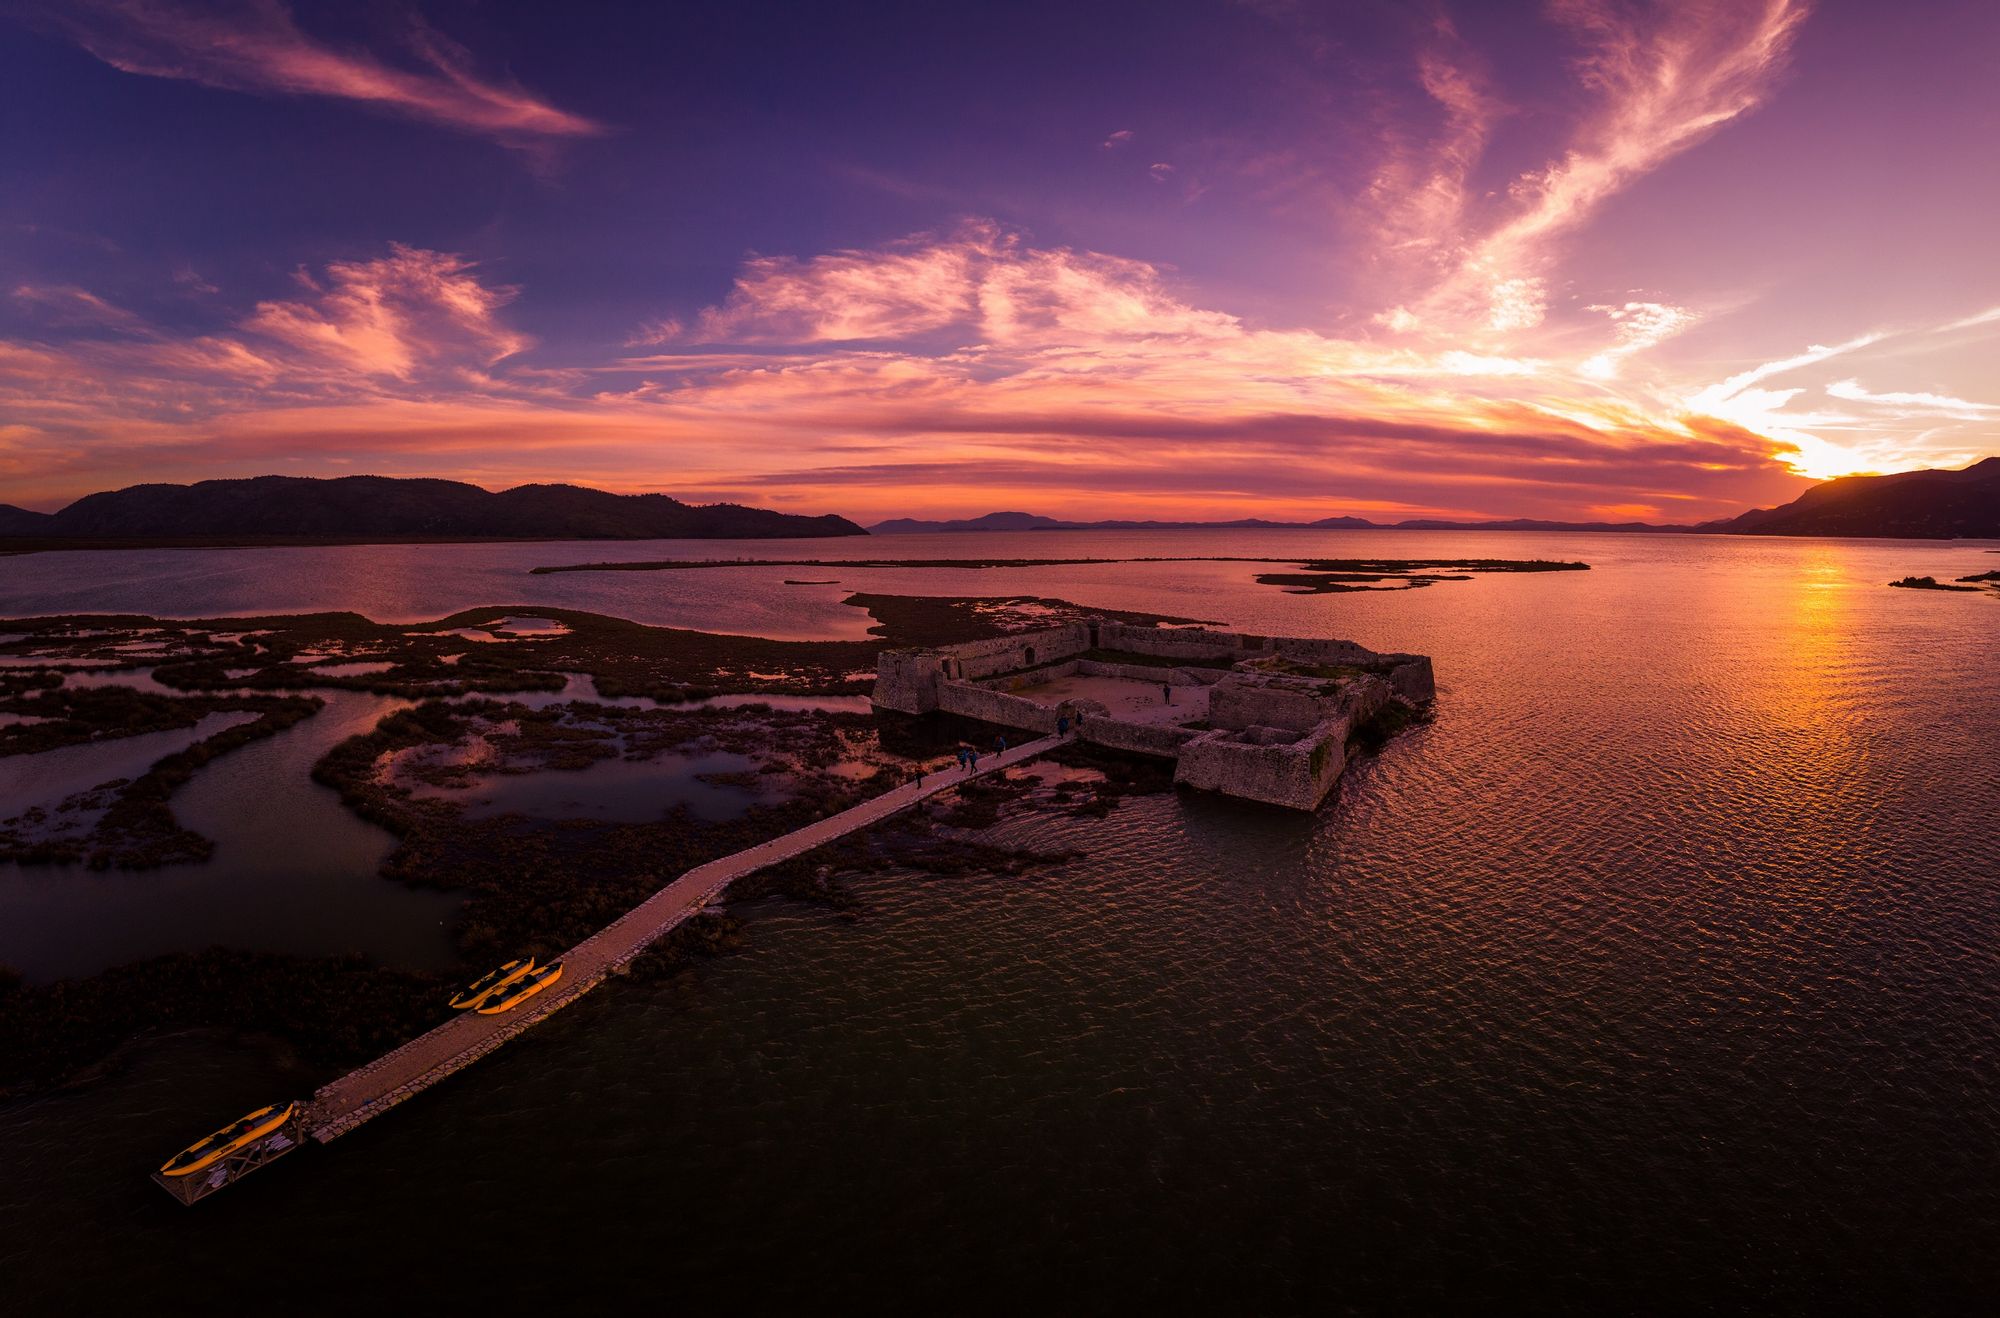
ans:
(294, 870)
(421, 583)
(619, 790)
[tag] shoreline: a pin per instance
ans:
(523, 877)
(21, 546)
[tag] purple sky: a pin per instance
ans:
(1581, 259)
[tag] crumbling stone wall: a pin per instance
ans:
(908, 680)
(1257, 759)
(1005, 654)
(1027, 677)
(1243, 700)
(1163, 740)
(1178, 642)
(911, 680)
(995, 707)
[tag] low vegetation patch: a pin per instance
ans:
(1930, 583)
(73, 717)
(922, 620)
(1333, 576)
(543, 884)
(1123, 775)
(133, 826)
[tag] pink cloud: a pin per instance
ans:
(978, 279)
(66, 306)
(392, 316)
(256, 46)
(907, 289)
(934, 374)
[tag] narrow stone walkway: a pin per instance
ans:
(375, 1088)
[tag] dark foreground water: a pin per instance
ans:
(1661, 973)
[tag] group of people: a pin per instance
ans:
(968, 756)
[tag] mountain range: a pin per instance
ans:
(1033, 522)
(386, 508)
(1929, 504)
(1913, 504)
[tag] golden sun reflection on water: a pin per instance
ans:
(1809, 750)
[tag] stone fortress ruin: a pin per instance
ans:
(1266, 718)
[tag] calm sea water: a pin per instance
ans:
(1660, 973)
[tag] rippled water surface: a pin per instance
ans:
(1661, 973)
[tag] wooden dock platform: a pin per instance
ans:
(192, 1189)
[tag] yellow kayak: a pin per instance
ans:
(228, 1140)
(514, 994)
(475, 992)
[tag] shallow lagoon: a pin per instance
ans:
(618, 790)
(1661, 971)
(293, 870)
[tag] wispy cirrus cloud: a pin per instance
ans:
(65, 306)
(1640, 325)
(1914, 403)
(1664, 77)
(1417, 199)
(257, 46)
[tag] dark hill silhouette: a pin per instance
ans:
(1912, 505)
(1931, 504)
(1032, 522)
(383, 507)
(19, 521)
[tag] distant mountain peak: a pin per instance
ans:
(1932, 503)
(1016, 521)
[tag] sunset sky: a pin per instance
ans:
(1602, 259)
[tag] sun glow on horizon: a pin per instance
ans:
(1823, 461)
